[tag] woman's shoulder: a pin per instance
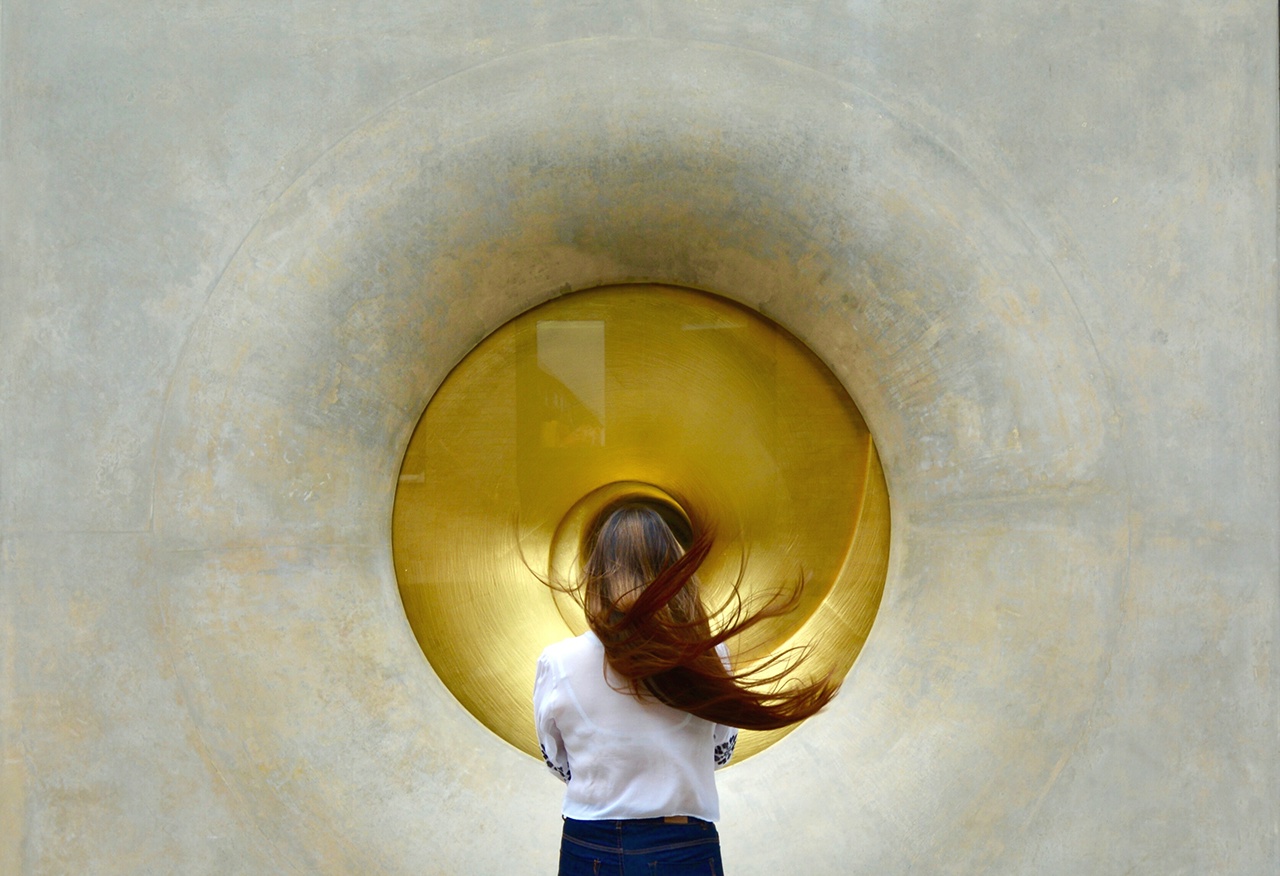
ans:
(577, 646)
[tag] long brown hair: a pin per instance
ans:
(641, 597)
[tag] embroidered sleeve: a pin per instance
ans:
(725, 738)
(549, 740)
(561, 770)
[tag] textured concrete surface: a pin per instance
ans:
(244, 242)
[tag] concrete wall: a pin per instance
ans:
(243, 242)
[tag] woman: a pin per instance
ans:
(637, 713)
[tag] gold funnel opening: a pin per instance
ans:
(651, 392)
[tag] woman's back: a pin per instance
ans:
(627, 713)
(623, 756)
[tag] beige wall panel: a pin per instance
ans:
(243, 245)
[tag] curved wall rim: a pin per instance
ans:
(616, 161)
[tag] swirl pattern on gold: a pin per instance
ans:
(655, 391)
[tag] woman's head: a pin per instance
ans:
(631, 546)
(641, 599)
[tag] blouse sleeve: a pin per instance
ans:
(549, 739)
(725, 738)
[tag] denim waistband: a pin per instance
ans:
(658, 819)
(639, 835)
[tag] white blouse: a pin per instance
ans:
(622, 756)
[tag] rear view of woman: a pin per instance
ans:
(637, 713)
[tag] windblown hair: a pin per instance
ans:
(641, 597)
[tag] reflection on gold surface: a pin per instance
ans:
(648, 390)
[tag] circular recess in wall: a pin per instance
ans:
(677, 397)
(802, 197)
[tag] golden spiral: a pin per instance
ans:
(646, 390)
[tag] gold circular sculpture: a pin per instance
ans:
(650, 391)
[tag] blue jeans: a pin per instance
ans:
(640, 848)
